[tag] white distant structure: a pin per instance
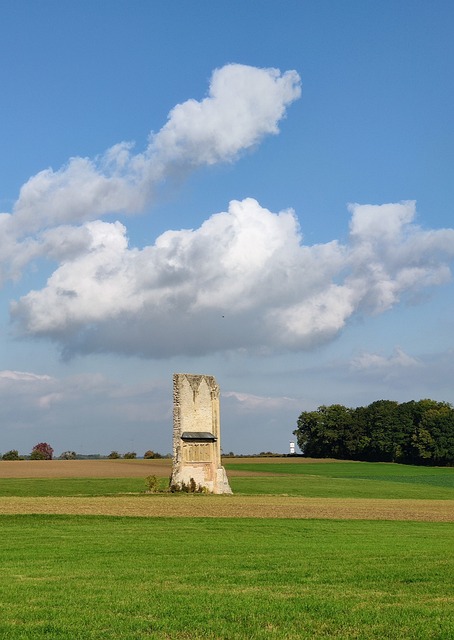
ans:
(292, 448)
(196, 434)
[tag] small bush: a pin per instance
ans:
(130, 455)
(152, 484)
(114, 455)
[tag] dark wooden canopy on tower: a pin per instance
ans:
(204, 436)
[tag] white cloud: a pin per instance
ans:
(377, 362)
(397, 375)
(392, 257)
(377, 223)
(248, 402)
(25, 388)
(243, 105)
(243, 280)
(23, 376)
(47, 400)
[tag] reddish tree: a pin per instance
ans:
(42, 451)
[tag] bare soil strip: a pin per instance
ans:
(96, 468)
(235, 507)
(84, 468)
(121, 468)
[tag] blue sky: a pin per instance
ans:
(283, 220)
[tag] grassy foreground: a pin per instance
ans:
(90, 578)
(274, 571)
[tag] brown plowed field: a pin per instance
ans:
(114, 468)
(171, 506)
(84, 468)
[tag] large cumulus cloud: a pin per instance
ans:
(243, 280)
(243, 105)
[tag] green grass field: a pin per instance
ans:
(72, 486)
(443, 476)
(96, 577)
(313, 479)
(346, 480)
(127, 578)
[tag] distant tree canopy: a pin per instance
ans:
(150, 454)
(42, 451)
(412, 432)
(13, 454)
(68, 455)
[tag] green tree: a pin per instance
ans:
(114, 455)
(322, 433)
(130, 455)
(148, 455)
(383, 429)
(438, 445)
(335, 424)
(68, 455)
(413, 432)
(13, 454)
(307, 434)
(423, 444)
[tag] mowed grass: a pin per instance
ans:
(442, 476)
(35, 487)
(343, 479)
(90, 578)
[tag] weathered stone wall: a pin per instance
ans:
(196, 417)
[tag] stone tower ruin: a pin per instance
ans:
(196, 434)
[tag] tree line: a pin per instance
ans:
(43, 451)
(416, 432)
